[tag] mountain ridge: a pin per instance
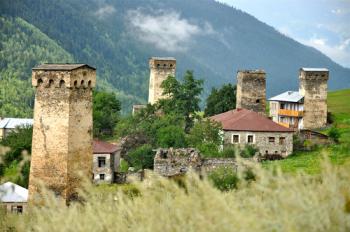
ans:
(213, 39)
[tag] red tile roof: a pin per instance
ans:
(101, 147)
(246, 120)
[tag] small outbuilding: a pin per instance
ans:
(13, 197)
(106, 161)
(243, 127)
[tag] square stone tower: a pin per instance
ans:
(251, 90)
(62, 130)
(160, 69)
(313, 86)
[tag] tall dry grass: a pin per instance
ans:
(274, 202)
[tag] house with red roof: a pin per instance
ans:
(244, 127)
(106, 161)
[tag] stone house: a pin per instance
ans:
(244, 127)
(106, 161)
(13, 197)
(7, 125)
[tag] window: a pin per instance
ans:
(101, 162)
(235, 138)
(271, 139)
(102, 176)
(250, 139)
(282, 140)
(17, 209)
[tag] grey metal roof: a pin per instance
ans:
(61, 67)
(315, 69)
(163, 58)
(11, 123)
(10, 192)
(289, 96)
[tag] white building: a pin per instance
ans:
(9, 124)
(13, 197)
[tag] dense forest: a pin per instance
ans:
(118, 37)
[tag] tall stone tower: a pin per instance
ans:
(62, 130)
(160, 69)
(313, 86)
(251, 90)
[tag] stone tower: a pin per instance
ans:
(160, 69)
(313, 86)
(62, 130)
(251, 90)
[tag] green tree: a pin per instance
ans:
(171, 136)
(106, 109)
(221, 100)
(20, 143)
(205, 136)
(184, 98)
(142, 157)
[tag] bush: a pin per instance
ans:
(248, 151)
(224, 179)
(228, 152)
(334, 133)
(124, 166)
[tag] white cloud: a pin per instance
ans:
(340, 53)
(105, 11)
(165, 30)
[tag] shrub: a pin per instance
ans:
(334, 133)
(248, 151)
(224, 179)
(229, 152)
(124, 166)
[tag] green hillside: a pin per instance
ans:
(22, 46)
(118, 37)
(339, 106)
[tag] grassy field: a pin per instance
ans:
(309, 162)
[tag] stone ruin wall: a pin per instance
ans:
(62, 130)
(313, 86)
(160, 69)
(251, 90)
(176, 162)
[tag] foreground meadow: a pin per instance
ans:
(274, 201)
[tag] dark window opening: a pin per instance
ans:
(158, 65)
(82, 82)
(40, 81)
(250, 139)
(282, 140)
(17, 209)
(235, 138)
(257, 101)
(266, 152)
(75, 83)
(84, 73)
(164, 65)
(276, 152)
(101, 162)
(102, 176)
(50, 82)
(271, 139)
(62, 83)
(89, 83)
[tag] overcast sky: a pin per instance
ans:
(323, 24)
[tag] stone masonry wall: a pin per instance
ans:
(160, 69)
(313, 86)
(62, 130)
(261, 141)
(251, 90)
(175, 162)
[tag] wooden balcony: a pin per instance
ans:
(292, 126)
(290, 113)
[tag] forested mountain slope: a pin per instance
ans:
(214, 40)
